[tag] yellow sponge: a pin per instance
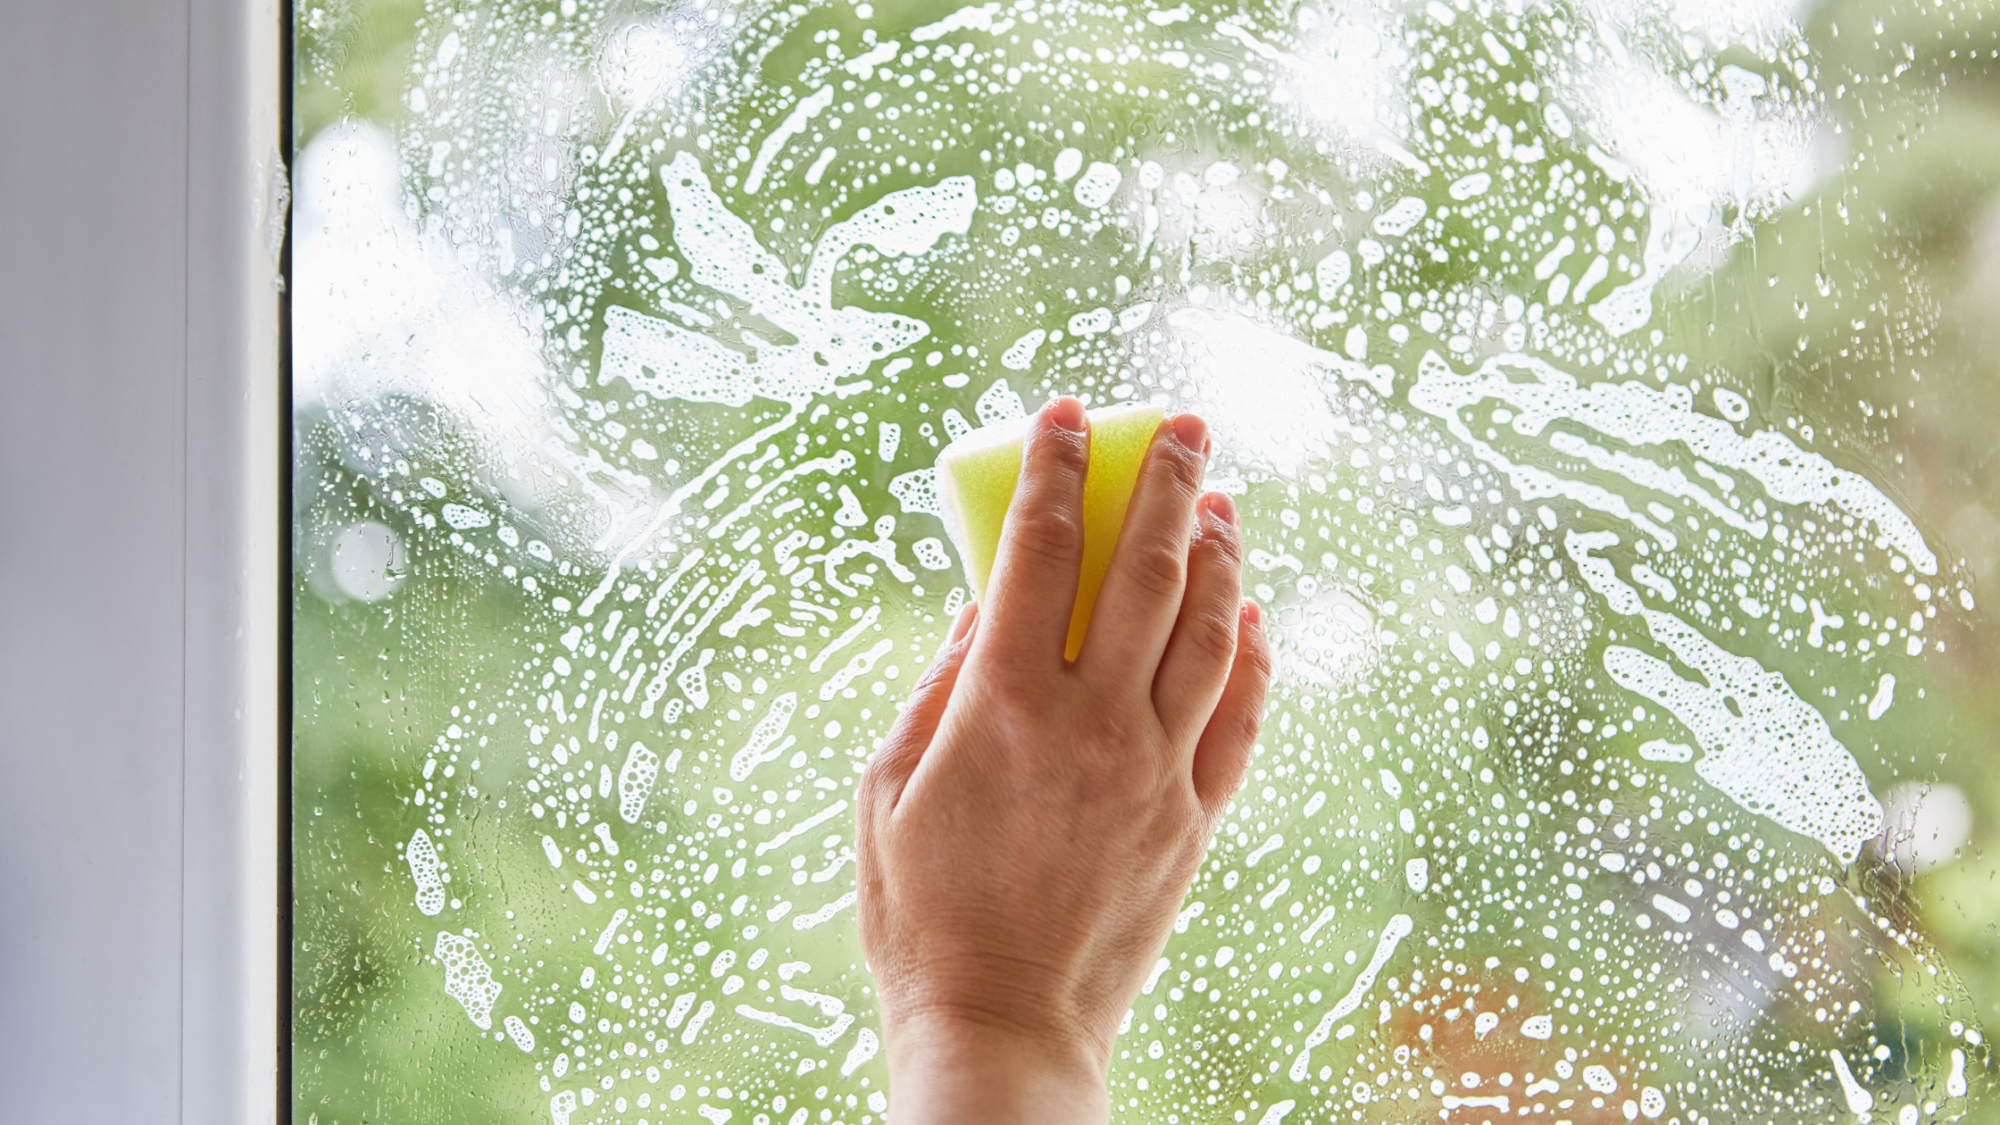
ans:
(976, 476)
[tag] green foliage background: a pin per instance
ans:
(1868, 311)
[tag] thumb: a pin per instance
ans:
(904, 747)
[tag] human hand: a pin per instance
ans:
(1029, 827)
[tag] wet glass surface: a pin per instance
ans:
(1607, 392)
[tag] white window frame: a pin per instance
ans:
(144, 442)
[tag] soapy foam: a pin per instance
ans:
(1440, 726)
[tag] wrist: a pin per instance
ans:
(962, 1072)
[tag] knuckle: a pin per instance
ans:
(1157, 566)
(868, 792)
(1249, 723)
(1059, 451)
(1198, 830)
(873, 775)
(1099, 727)
(1108, 781)
(884, 771)
(1007, 680)
(1050, 532)
(1258, 659)
(934, 677)
(1189, 467)
(1103, 739)
(1098, 773)
(1013, 708)
(1175, 468)
(1213, 635)
(1219, 545)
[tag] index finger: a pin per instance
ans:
(1032, 592)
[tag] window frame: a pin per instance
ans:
(145, 588)
(236, 855)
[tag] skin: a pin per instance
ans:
(1030, 826)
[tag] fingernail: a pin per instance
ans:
(1253, 613)
(1192, 432)
(1223, 508)
(1067, 413)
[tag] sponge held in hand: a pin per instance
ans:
(977, 473)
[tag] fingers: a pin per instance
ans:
(1033, 588)
(1141, 596)
(1224, 751)
(1205, 635)
(903, 749)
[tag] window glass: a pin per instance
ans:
(1607, 390)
